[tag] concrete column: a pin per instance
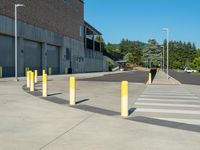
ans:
(85, 37)
(93, 41)
(100, 43)
(20, 60)
(44, 56)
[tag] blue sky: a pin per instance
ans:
(144, 19)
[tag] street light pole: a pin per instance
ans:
(16, 52)
(163, 57)
(167, 31)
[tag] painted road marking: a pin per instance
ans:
(167, 100)
(167, 93)
(168, 96)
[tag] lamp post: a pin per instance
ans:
(167, 32)
(163, 57)
(16, 67)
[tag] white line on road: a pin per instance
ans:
(167, 93)
(168, 96)
(167, 100)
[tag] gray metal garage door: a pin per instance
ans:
(33, 56)
(53, 60)
(7, 55)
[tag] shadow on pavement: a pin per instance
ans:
(53, 94)
(97, 110)
(131, 110)
(82, 101)
(66, 102)
(170, 124)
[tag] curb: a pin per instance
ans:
(175, 80)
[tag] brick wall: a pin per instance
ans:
(57, 16)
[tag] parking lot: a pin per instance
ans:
(132, 76)
(185, 78)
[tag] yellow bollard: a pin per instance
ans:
(28, 79)
(50, 71)
(26, 70)
(124, 98)
(72, 91)
(1, 71)
(44, 85)
(43, 72)
(150, 78)
(32, 86)
(36, 76)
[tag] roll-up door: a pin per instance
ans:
(33, 55)
(7, 55)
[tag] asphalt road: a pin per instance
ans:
(185, 78)
(134, 76)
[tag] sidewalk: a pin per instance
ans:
(58, 77)
(161, 79)
(29, 122)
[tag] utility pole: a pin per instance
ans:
(16, 51)
(167, 32)
(163, 58)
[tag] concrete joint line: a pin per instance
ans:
(59, 136)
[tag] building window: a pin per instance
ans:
(81, 31)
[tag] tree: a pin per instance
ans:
(134, 54)
(181, 54)
(109, 47)
(152, 53)
(124, 46)
(196, 64)
(198, 53)
(131, 50)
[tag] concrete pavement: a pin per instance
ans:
(161, 79)
(30, 122)
(64, 76)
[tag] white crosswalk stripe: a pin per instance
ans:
(167, 100)
(169, 103)
(173, 96)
